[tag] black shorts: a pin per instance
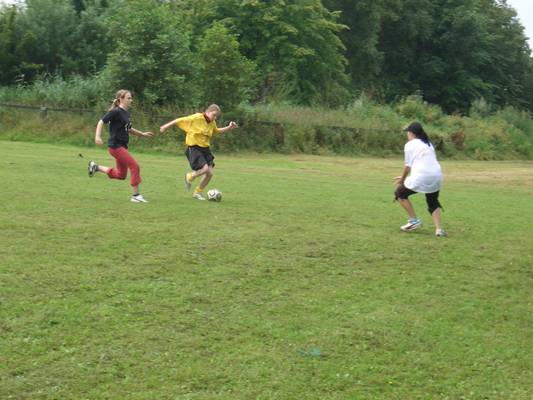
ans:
(199, 156)
(432, 199)
(402, 192)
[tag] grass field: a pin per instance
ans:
(298, 285)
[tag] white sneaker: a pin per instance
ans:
(411, 225)
(92, 168)
(198, 196)
(441, 233)
(138, 199)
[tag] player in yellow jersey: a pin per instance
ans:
(199, 128)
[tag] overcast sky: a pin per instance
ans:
(524, 9)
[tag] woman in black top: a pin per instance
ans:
(119, 121)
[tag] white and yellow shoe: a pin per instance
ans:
(198, 196)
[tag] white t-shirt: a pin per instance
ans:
(426, 174)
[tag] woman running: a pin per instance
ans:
(119, 120)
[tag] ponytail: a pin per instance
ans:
(423, 136)
(114, 104)
(116, 101)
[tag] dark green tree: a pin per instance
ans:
(16, 49)
(8, 45)
(363, 19)
(453, 52)
(226, 76)
(151, 54)
(91, 40)
(528, 87)
(198, 14)
(406, 43)
(296, 46)
(79, 6)
(52, 22)
(510, 56)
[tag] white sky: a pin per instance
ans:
(524, 8)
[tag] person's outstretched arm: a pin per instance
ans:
(163, 128)
(141, 133)
(232, 125)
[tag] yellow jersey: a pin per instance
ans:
(197, 130)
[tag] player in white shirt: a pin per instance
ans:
(421, 174)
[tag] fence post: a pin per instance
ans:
(44, 112)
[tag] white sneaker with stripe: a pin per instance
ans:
(411, 225)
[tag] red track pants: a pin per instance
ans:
(124, 162)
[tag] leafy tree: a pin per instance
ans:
(91, 40)
(528, 87)
(8, 60)
(52, 22)
(463, 42)
(16, 49)
(405, 41)
(79, 6)
(199, 14)
(226, 76)
(511, 60)
(48, 36)
(453, 52)
(151, 55)
(295, 45)
(363, 19)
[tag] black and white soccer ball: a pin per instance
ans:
(214, 195)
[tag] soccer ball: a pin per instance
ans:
(214, 195)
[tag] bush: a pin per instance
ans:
(520, 119)
(415, 108)
(73, 92)
(363, 128)
(481, 108)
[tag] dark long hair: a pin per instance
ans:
(416, 129)
(423, 136)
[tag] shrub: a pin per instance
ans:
(520, 119)
(362, 128)
(73, 92)
(415, 108)
(481, 108)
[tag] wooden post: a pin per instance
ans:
(43, 112)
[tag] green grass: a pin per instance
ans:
(298, 285)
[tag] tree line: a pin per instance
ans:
(303, 52)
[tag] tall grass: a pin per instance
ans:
(362, 127)
(75, 92)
